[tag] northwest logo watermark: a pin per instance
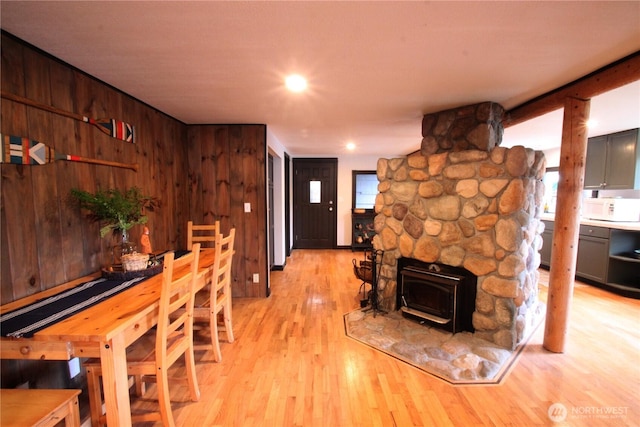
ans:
(558, 412)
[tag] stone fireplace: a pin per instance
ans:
(465, 202)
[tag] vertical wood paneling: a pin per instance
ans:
(209, 211)
(20, 262)
(32, 241)
(71, 254)
(91, 105)
(223, 154)
(90, 178)
(164, 222)
(203, 172)
(47, 232)
(151, 163)
(196, 140)
(232, 172)
(262, 257)
(11, 56)
(255, 193)
(181, 209)
(45, 239)
(237, 215)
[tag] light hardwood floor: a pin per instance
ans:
(292, 365)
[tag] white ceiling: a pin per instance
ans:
(374, 68)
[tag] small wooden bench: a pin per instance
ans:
(39, 407)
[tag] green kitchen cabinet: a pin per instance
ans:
(613, 162)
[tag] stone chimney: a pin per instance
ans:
(464, 201)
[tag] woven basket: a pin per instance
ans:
(134, 261)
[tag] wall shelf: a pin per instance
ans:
(363, 231)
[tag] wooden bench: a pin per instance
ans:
(39, 407)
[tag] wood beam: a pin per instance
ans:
(573, 155)
(615, 75)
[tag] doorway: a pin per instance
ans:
(270, 205)
(287, 204)
(315, 192)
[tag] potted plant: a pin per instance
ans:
(117, 211)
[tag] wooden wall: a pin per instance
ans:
(227, 168)
(46, 240)
(202, 172)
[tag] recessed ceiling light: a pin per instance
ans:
(351, 146)
(296, 83)
(591, 123)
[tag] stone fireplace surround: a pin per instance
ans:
(466, 202)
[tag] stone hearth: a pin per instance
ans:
(464, 201)
(457, 358)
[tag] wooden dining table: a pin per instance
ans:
(104, 330)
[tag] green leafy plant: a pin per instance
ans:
(119, 210)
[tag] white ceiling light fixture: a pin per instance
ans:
(351, 146)
(296, 83)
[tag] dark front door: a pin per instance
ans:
(314, 203)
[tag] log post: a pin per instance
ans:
(573, 153)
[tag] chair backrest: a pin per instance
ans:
(205, 234)
(221, 272)
(175, 333)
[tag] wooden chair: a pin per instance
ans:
(150, 357)
(205, 234)
(219, 297)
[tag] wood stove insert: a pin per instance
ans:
(436, 294)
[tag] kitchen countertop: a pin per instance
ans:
(632, 226)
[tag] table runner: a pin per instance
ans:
(27, 320)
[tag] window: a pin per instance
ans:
(365, 189)
(550, 181)
(315, 192)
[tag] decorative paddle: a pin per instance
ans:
(114, 128)
(25, 151)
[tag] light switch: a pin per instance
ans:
(247, 207)
(74, 367)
